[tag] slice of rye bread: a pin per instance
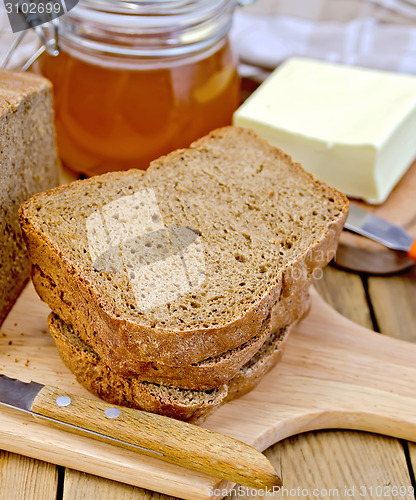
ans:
(183, 404)
(262, 223)
(203, 375)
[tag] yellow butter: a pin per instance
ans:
(353, 128)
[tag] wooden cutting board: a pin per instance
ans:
(334, 374)
(361, 254)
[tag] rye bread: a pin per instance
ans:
(190, 405)
(28, 164)
(203, 375)
(262, 222)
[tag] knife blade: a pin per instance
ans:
(165, 438)
(367, 224)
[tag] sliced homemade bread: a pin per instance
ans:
(231, 225)
(203, 375)
(91, 372)
(28, 164)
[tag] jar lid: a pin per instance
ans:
(147, 29)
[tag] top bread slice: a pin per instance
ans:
(187, 260)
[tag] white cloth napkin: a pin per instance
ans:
(378, 34)
(372, 33)
(26, 48)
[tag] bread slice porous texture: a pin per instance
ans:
(221, 232)
(182, 404)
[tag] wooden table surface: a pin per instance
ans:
(324, 464)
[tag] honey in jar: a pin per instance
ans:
(131, 86)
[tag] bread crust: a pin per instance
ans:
(207, 374)
(93, 374)
(28, 163)
(133, 341)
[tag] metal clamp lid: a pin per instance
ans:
(49, 36)
(48, 33)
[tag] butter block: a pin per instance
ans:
(353, 128)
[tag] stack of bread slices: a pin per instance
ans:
(174, 290)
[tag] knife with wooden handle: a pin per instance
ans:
(173, 441)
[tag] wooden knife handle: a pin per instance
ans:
(173, 441)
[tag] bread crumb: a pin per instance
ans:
(27, 362)
(16, 360)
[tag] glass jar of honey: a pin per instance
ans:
(136, 79)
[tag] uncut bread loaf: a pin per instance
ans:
(28, 164)
(190, 405)
(244, 225)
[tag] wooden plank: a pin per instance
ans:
(341, 465)
(81, 486)
(412, 459)
(326, 465)
(25, 478)
(394, 303)
(345, 293)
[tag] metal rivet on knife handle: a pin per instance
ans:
(112, 412)
(63, 401)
